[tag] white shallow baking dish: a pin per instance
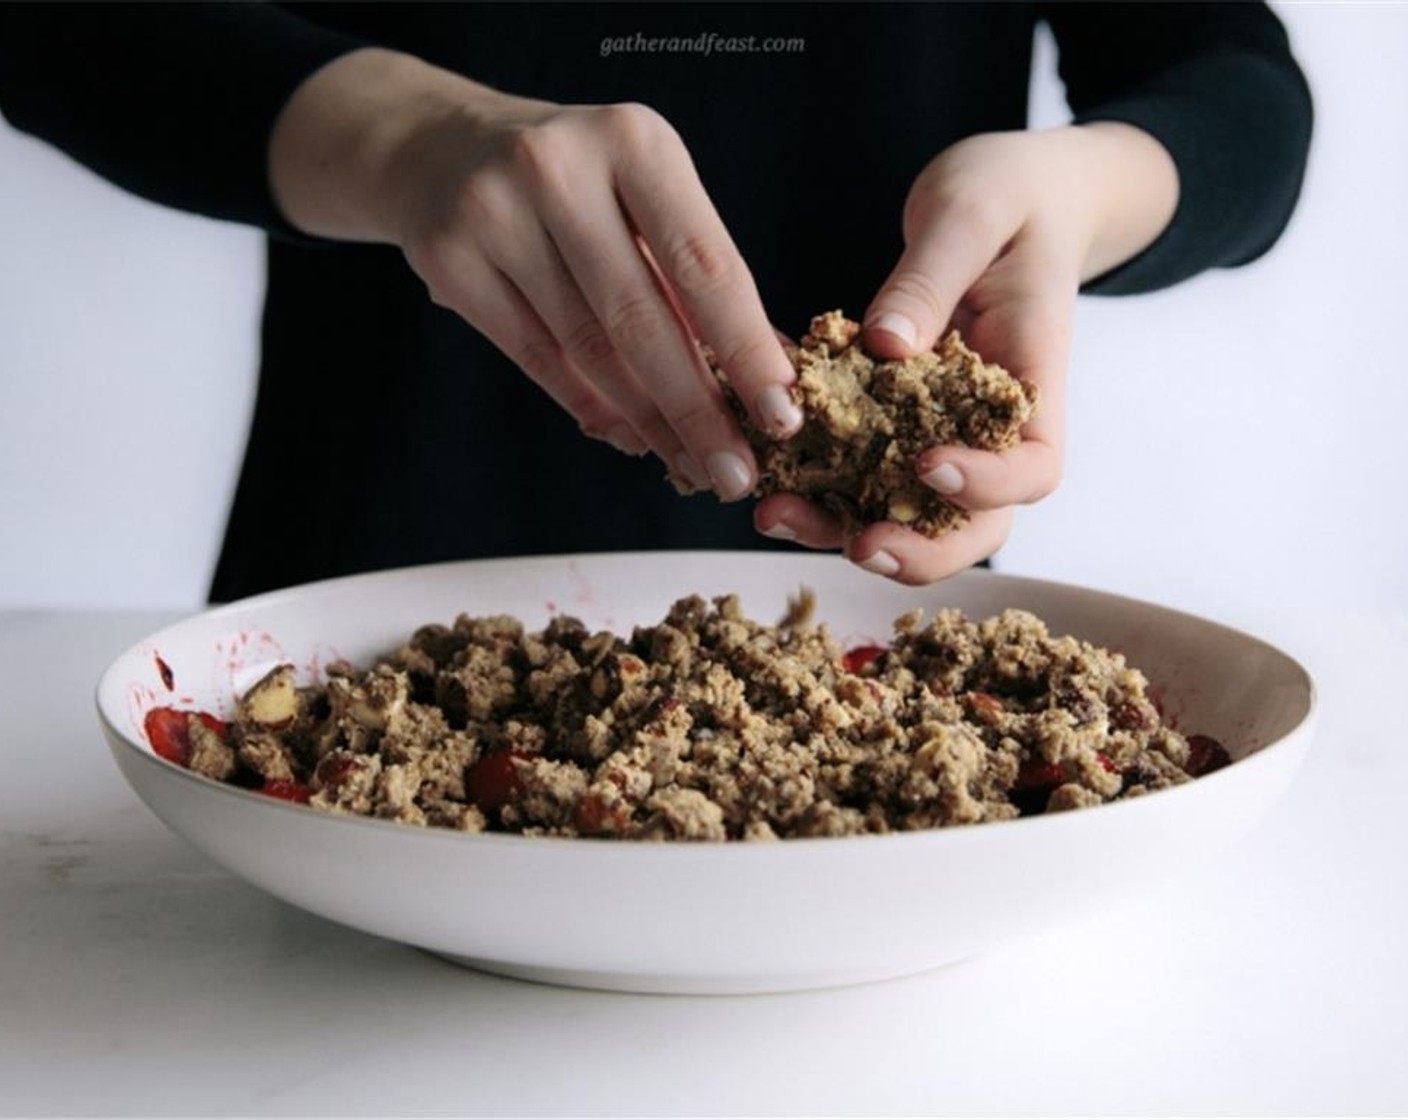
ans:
(679, 917)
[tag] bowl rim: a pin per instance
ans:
(1302, 728)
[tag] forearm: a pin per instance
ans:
(174, 102)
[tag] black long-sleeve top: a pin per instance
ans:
(388, 432)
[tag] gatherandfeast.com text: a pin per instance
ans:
(706, 43)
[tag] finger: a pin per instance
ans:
(490, 302)
(789, 517)
(904, 556)
(943, 256)
(1023, 310)
(689, 243)
(529, 257)
(600, 252)
(986, 480)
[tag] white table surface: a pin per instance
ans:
(136, 977)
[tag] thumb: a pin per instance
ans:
(940, 263)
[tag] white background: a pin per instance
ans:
(1234, 443)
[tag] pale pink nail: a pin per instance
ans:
(901, 326)
(881, 563)
(730, 474)
(780, 532)
(945, 478)
(777, 411)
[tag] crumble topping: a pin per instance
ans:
(705, 726)
(868, 419)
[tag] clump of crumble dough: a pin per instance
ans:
(710, 726)
(868, 419)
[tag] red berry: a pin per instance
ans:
(593, 816)
(1129, 716)
(1205, 754)
(1035, 781)
(334, 769)
(219, 726)
(169, 733)
(857, 659)
(985, 704)
(285, 790)
(492, 782)
(1036, 773)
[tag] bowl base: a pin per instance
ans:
(651, 984)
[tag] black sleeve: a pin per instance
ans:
(1217, 85)
(173, 101)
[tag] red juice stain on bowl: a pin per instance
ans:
(168, 678)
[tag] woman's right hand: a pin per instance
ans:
(579, 239)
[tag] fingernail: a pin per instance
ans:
(780, 532)
(624, 439)
(685, 465)
(881, 563)
(777, 411)
(730, 474)
(945, 478)
(901, 326)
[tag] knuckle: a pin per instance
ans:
(636, 324)
(538, 359)
(634, 123)
(700, 264)
(541, 156)
(590, 346)
(916, 286)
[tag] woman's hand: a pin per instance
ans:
(1000, 230)
(577, 238)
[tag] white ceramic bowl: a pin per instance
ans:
(680, 917)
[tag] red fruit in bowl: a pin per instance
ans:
(169, 733)
(857, 659)
(492, 782)
(285, 790)
(1205, 754)
(1036, 773)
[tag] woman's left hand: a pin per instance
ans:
(1000, 230)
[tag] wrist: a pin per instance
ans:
(1128, 190)
(339, 153)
